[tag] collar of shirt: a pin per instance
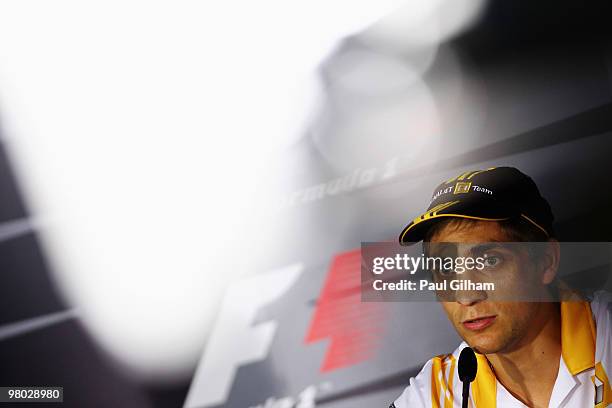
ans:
(577, 361)
(569, 390)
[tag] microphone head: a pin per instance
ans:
(468, 365)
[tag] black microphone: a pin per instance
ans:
(468, 365)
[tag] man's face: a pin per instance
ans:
(493, 326)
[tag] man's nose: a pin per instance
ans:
(466, 295)
(470, 297)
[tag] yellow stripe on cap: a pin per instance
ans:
(536, 224)
(479, 171)
(468, 175)
(434, 210)
(450, 215)
(464, 175)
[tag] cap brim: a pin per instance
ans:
(481, 210)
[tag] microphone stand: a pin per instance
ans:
(468, 366)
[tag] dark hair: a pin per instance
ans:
(516, 229)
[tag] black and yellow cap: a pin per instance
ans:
(493, 194)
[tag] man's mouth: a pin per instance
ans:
(479, 323)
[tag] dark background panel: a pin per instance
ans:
(26, 289)
(62, 355)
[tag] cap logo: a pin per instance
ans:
(462, 187)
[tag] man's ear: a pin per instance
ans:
(550, 261)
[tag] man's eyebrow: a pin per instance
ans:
(478, 250)
(434, 248)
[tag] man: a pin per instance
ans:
(548, 353)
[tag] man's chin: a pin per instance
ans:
(484, 344)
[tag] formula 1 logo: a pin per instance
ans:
(234, 341)
(354, 330)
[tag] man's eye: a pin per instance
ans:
(443, 272)
(492, 260)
